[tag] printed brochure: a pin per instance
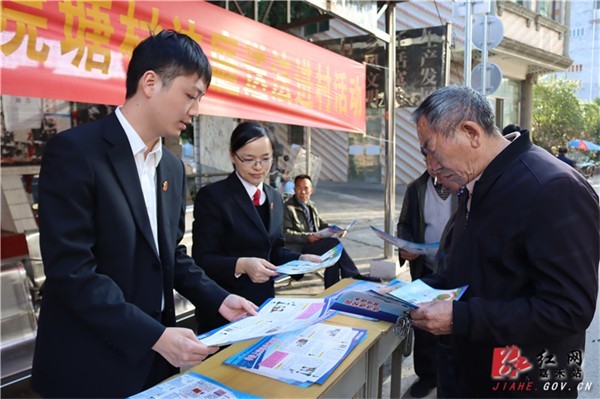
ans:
(276, 315)
(390, 302)
(412, 247)
(334, 230)
(191, 385)
(329, 258)
(302, 357)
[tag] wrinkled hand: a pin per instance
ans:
(259, 270)
(181, 348)
(311, 258)
(313, 237)
(408, 256)
(234, 307)
(434, 317)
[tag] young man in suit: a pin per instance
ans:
(112, 208)
(301, 221)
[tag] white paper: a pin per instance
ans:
(278, 315)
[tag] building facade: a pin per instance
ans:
(584, 48)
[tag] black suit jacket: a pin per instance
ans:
(101, 307)
(226, 227)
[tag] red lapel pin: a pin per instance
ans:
(165, 186)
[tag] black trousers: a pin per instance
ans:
(425, 350)
(345, 265)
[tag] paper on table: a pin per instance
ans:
(412, 247)
(191, 385)
(277, 315)
(302, 357)
(329, 258)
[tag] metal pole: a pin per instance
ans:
(468, 42)
(484, 56)
(197, 178)
(308, 149)
(390, 153)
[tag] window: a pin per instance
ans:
(576, 68)
(296, 135)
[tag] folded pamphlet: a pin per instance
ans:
(412, 247)
(390, 302)
(329, 258)
(334, 230)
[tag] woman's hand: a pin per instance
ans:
(259, 270)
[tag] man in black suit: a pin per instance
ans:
(112, 208)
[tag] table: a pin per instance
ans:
(359, 375)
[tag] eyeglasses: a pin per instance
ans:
(254, 162)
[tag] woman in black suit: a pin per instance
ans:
(238, 224)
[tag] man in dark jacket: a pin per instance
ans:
(426, 208)
(526, 241)
(301, 222)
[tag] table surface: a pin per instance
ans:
(270, 388)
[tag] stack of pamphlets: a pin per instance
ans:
(191, 385)
(390, 302)
(301, 357)
(412, 247)
(334, 231)
(275, 316)
(329, 258)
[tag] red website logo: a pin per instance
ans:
(507, 363)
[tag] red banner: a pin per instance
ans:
(79, 50)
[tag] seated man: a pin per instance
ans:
(301, 221)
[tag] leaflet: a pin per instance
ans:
(191, 385)
(334, 230)
(390, 302)
(329, 258)
(412, 247)
(300, 358)
(276, 315)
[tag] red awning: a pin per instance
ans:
(79, 50)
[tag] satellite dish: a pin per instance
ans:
(493, 78)
(495, 31)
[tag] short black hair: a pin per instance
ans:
(170, 54)
(510, 129)
(562, 150)
(247, 132)
(300, 177)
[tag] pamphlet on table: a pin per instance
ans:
(191, 385)
(334, 230)
(390, 302)
(301, 357)
(275, 316)
(412, 247)
(329, 258)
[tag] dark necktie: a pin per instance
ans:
(460, 223)
(256, 198)
(311, 225)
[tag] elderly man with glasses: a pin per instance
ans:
(525, 239)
